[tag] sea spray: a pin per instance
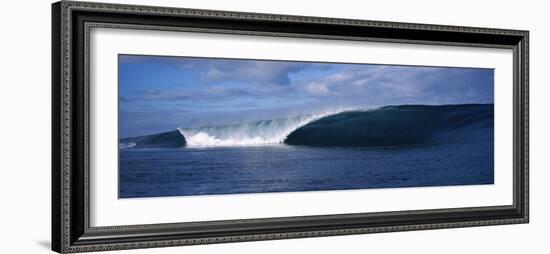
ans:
(255, 133)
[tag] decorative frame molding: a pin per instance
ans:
(71, 23)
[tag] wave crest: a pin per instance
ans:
(257, 133)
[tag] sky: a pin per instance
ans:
(160, 93)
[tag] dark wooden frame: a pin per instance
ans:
(71, 22)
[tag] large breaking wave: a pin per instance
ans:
(384, 126)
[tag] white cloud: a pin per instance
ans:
(317, 89)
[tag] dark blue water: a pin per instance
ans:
(465, 159)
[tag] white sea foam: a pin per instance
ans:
(257, 133)
(127, 145)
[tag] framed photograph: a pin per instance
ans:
(182, 126)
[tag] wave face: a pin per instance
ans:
(257, 133)
(171, 139)
(394, 126)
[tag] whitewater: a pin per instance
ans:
(255, 133)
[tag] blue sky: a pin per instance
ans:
(162, 93)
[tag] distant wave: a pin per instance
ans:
(171, 139)
(384, 126)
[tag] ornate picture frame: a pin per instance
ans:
(71, 24)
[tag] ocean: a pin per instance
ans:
(388, 147)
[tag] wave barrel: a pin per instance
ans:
(394, 126)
